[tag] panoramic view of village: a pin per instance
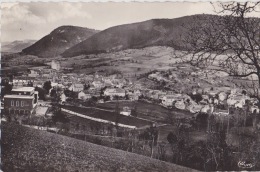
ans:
(177, 91)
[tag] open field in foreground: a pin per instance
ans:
(25, 149)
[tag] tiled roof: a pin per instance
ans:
(24, 89)
(19, 96)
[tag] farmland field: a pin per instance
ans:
(148, 110)
(134, 61)
(25, 149)
(110, 116)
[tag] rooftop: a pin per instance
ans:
(115, 90)
(24, 89)
(23, 78)
(78, 85)
(41, 110)
(19, 96)
(173, 96)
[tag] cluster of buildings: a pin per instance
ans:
(116, 86)
(211, 97)
(210, 100)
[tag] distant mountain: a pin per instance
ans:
(59, 40)
(16, 46)
(155, 32)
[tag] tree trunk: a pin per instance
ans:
(152, 147)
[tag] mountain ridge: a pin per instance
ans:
(59, 40)
(154, 32)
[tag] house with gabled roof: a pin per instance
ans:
(115, 92)
(98, 84)
(84, 95)
(221, 112)
(169, 99)
(76, 87)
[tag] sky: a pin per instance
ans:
(34, 20)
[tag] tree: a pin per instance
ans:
(58, 116)
(47, 86)
(231, 41)
(86, 86)
(244, 92)
(134, 111)
(68, 93)
(196, 97)
(41, 93)
(30, 84)
(152, 136)
(218, 151)
(117, 114)
(53, 93)
(202, 120)
(177, 143)
(162, 151)
(106, 98)
(172, 138)
(6, 89)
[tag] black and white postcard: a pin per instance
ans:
(130, 86)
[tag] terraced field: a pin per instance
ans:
(30, 150)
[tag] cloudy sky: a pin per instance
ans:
(36, 19)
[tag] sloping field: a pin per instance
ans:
(26, 149)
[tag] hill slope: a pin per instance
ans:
(155, 32)
(25, 149)
(59, 40)
(16, 46)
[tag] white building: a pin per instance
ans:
(63, 97)
(115, 92)
(126, 111)
(34, 73)
(180, 105)
(205, 109)
(168, 100)
(237, 100)
(222, 96)
(76, 87)
(220, 112)
(98, 84)
(83, 96)
(55, 65)
(254, 109)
